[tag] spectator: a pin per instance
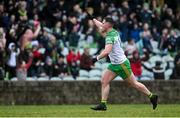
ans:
(11, 61)
(2, 39)
(72, 23)
(155, 34)
(22, 67)
(1, 14)
(12, 37)
(86, 60)
(44, 39)
(168, 14)
(176, 70)
(146, 37)
(73, 38)
(4, 19)
(28, 35)
(2, 50)
(61, 68)
(172, 40)
(49, 67)
(156, 20)
(74, 70)
(123, 27)
(2, 54)
(163, 44)
(146, 14)
(37, 59)
(22, 11)
(36, 52)
(177, 19)
(72, 57)
(89, 32)
(135, 33)
(73, 61)
(156, 6)
(136, 64)
(125, 7)
(130, 47)
(41, 69)
(12, 21)
(57, 30)
(78, 12)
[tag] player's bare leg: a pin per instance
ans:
(107, 77)
(131, 81)
(142, 88)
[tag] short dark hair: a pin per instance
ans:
(109, 20)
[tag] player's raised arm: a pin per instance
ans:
(97, 23)
(99, 26)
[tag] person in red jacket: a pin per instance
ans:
(136, 65)
(72, 57)
(73, 63)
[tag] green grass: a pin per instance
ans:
(137, 110)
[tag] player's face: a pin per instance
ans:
(106, 25)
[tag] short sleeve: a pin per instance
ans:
(109, 40)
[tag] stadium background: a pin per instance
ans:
(46, 45)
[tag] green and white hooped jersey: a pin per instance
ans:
(117, 55)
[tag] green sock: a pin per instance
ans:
(104, 101)
(150, 95)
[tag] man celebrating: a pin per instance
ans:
(119, 66)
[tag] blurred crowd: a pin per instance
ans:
(40, 38)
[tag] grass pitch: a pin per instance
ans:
(125, 110)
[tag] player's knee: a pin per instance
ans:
(104, 82)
